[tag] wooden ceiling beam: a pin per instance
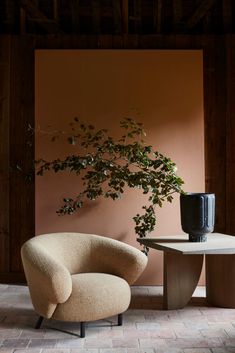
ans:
(202, 9)
(36, 14)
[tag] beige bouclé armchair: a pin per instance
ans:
(80, 277)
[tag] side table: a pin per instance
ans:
(183, 262)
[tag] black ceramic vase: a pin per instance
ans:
(197, 215)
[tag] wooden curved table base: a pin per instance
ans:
(220, 280)
(183, 264)
(181, 276)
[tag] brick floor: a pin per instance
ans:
(147, 328)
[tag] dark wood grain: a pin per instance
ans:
(96, 16)
(125, 17)
(50, 25)
(75, 14)
(215, 95)
(177, 12)
(145, 16)
(21, 211)
(117, 16)
(5, 44)
(227, 15)
(220, 284)
(202, 9)
(230, 136)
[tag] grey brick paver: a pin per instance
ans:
(187, 333)
(113, 350)
(125, 343)
(82, 350)
(223, 350)
(9, 333)
(27, 350)
(152, 342)
(56, 350)
(41, 343)
(14, 343)
(70, 343)
(140, 350)
(197, 350)
(77, 350)
(94, 343)
(191, 342)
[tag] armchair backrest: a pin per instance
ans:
(72, 250)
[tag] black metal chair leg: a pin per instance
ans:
(39, 322)
(120, 319)
(82, 329)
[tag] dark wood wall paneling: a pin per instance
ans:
(17, 151)
(21, 146)
(230, 141)
(17, 110)
(215, 100)
(4, 151)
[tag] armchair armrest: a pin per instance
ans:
(117, 258)
(46, 277)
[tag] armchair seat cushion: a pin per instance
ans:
(94, 296)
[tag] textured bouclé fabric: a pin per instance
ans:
(80, 277)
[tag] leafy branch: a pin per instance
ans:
(107, 166)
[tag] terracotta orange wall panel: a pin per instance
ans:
(161, 88)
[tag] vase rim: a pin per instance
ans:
(197, 193)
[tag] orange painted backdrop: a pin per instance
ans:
(163, 89)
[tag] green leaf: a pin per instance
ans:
(106, 166)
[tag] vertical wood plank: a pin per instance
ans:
(105, 42)
(137, 16)
(177, 12)
(4, 151)
(10, 16)
(220, 284)
(74, 14)
(125, 16)
(154, 16)
(96, 16)
(55, 10)
(215, 125)
(21, 114)
(117, 16)
(22, 21)
(159, 16)
(230, 163)
(227, 15)
(207, 22)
